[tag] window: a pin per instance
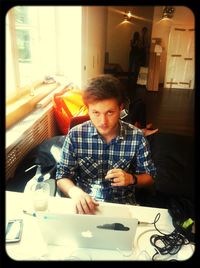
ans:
(23, 33)
(22, 39)
(41, 41)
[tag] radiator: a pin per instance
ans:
(42, 128)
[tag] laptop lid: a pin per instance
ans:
(88, 231)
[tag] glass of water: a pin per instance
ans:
(40, 196)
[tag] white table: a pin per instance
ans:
(32, 246)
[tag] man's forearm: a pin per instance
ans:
(84, 203)
(144, 180)
(65, 185)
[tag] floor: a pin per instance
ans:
(170, 110)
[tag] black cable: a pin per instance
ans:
(167, 243)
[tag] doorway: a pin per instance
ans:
(180, 58)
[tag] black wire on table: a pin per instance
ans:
(167, 243)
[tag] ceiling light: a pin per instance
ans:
(128, 16)
(168, 12)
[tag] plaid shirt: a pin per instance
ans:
(86, 158)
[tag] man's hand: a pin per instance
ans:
(83, 202)
(118, 177)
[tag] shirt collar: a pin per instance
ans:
(122, 131)
(92, 130)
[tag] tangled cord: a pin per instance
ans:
(167, 243)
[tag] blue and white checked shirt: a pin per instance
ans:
(86, 158)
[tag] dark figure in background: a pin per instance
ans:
(134, 55)
(144, 49)
(138, 55)
(137, 58)
(134, 62)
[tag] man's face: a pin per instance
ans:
(105, 114)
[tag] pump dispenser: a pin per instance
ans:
(37, 190)
(38, 178)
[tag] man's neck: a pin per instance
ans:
(108, 138)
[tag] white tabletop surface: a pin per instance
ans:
(32, 246)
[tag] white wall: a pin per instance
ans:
(68, 30)
(81, 32)
(94, 27)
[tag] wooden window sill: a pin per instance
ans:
(18, 110)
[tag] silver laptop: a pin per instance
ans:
(88, 231)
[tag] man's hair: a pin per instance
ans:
(103, 87)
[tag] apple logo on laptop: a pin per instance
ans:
(87, 234)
